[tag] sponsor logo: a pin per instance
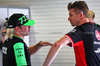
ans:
(97, 51)
(4, 50)
(96, 42)
(73, 30)
(97, 34)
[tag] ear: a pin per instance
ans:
(81, 15)
(17, 29)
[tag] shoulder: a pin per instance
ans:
(13, 41)
(87, 26)
(18, 45)
(97, 25)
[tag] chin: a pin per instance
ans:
(73, 25)
(26, 34)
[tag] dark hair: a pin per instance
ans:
(79, 6)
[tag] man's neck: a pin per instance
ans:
(19, 36)
(85, 20)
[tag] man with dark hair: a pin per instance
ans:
(85, 38)
(15, 51)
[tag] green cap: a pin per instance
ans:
(18, 19)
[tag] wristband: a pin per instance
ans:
(39, 44)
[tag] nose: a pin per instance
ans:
(68, 18)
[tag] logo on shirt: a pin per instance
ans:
(97, 43)
(97, 51)
(73, 30)
(97, 34)
(4, 50)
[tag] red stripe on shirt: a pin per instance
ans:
(79, 52)
(72, 43)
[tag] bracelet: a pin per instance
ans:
(39, 44)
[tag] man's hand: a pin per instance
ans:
(4, 32)
(41, 43)
(33, 49)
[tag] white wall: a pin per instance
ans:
(3, 14)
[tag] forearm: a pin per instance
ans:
(51, 55)
(3, 39)
(55, 49)
(3, 35)
(33, 49)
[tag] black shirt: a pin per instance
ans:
(86, 42)
(15, 52)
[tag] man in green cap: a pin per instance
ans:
(15, 50)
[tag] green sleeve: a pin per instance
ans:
(19, 54)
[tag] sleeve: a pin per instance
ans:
(76, 35)
(19, 54)
(0, 45)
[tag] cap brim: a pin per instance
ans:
(30, 23)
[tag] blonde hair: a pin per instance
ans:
(91, 14)
(9, 33)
